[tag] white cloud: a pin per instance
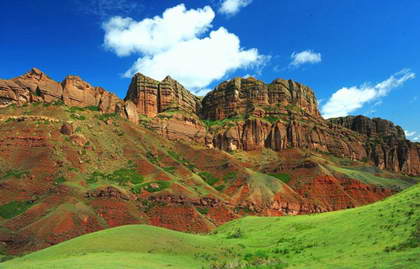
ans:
(177, 44)
(304, 57)
(417, 138)
(231, 7)
(346, 100)
(150, 36)
(408, 133)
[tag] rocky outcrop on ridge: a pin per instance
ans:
(36, 86)
(385, 143)
(152, 97)
(249, 96)
(242, 114)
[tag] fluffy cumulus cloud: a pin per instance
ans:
(305, 57)
(180, 43)
(346, 100)
(231, 7)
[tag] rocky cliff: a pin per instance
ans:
(250, 96)
(239, 114)
(385, 143)
(247, 114)
(152, 97)
(36, 86)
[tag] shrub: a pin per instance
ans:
(281, 176)
(14, 208)
(203, 210)
(151, 157)
(230, 176)
(220, 187)
(170, 169)
(180, 159)
(271, 119)
(59, 180)
(92, 108)
(106, 116)
(209, 178)
(15, 173)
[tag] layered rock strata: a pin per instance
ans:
(152, 97)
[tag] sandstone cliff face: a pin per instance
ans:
(36, 86)
(385, 143)
(152, 97)
(249, 96)
(284, 114)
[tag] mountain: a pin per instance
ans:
(75, 158)
(382, 235)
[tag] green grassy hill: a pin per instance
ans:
(381, 235)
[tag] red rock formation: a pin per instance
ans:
(249, 96)
(385, 143)
(284, 114)
(36, 86)
(152, 97)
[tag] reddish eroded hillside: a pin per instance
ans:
(70, 164)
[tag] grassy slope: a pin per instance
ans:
(381, 235)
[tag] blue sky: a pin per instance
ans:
(360, 57)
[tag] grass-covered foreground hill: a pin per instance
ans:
(385, 234)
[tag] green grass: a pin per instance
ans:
(121, 176)
(382, 235)
(208, 178)
(14, 209)
(367, 176)
(14, 173)
(227, 121)
(281, 176)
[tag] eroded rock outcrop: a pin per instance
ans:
(249, 96)
(249, 115)
(152, 97)
(36, 86)
(385, 143)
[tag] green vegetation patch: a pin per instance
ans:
(121, 176)
(181, 160)
(14, 173)
(282, 176)
(208, 178)
(227, 121)
(14, 209)
(59, 180)
(365, 175)
(169, 169)
(203, 210)
(231, 176)
(106, 116)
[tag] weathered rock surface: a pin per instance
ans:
(251, 115)
(284, 114)
(180, 126)
(36, 86)
(385, 143)
(152, 97)
(249, 96)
